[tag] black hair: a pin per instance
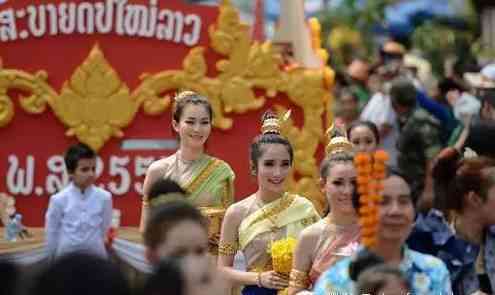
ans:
(75, 153)
(10, 278)
(185, 98)
(81, 274)
(374, 278)
(371, 126)
(448, 84)
(371, 273)
(168, 278)
(480, 138)
(256, 148)
(165, 186)
(363, 260)
(403, 93)
(166, 215)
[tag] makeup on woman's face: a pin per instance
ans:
(339, 187)
(273, 167)
(194, 126)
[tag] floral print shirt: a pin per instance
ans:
(425, 273)
(433, 235)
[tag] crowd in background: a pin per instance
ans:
(436, 223)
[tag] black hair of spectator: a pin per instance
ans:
(403, 93)
(10, 278)
(364, 259)
(447, 85)
(375, 278)
(164, 186)
(168, 278)
(75, 153)
(81, 274)
(481, 137)
(166, 216)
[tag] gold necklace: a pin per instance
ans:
(267, 215)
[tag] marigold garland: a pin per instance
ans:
(370, 175)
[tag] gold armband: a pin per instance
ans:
(298, 279)
(226, 249)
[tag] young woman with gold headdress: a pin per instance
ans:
(268, 215)
(207, 180)
(337, 235)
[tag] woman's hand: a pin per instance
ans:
(274, 280)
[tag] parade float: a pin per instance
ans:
(104, 73)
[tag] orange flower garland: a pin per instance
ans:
(370, 175)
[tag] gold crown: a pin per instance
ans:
(273, 124)
(184, 94)
(338, 143)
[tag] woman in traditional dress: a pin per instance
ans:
(268, 215)
(337, 235)
(207, 180)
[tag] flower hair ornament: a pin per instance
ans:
(338, 142)
(272, 124)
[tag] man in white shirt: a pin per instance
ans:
(79, 216)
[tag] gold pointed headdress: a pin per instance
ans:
(272, 123)
(185, 94)
(338, 142)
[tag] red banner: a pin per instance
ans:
(136, 37)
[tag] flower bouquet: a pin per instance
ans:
(282, 253)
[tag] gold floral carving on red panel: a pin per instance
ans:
(95, 104)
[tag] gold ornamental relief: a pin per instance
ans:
(95, 104)
(40, 93)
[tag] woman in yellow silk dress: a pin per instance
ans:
(207, 180)
(337, 235)
(269, 214)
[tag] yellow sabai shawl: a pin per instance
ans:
(290, 211)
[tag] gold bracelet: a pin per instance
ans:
(227, 249)
(298, 279)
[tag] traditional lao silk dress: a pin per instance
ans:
(335, 242)
(282, 218)
(209, 183)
